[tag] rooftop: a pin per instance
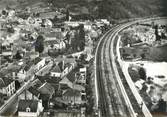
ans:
(46, 88)
(49, 79)
(56, 69)
(34, 91)
(5, 81)
(24, 104)
(28, 65)
(71, 92)
(37, 60)
(71, 75)
(57, 35)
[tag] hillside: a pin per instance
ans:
(117, 9)
(113, 9)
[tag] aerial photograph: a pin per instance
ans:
(83, 58)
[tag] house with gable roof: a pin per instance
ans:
(72, 96)
(54, 40)
(31, 67)
(56, 71)
(29, 108)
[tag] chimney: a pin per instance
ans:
(32, 97)
(25, 92)
(13, 75)
(63, 65)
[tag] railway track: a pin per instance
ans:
(116, 100)
(103, 101)
(110, 100)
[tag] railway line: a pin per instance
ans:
(111, 102)
(112, 96)
(115, 94)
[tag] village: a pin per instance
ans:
(46, 61)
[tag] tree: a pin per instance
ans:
(18, 56)
(142, 73)
(81, 37)
(74, 41)
(10, 29)
(17, 84)
(4, 12)
(67, 15)
(143, 56)
(67, 39)
(156, 33)
(39, 44)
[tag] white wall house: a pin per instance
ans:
(29, 108)
(7, 86)
(72, 96)
(60, 45)
(68, 69)
(57, 72)
(30, 68)
(26, 71)
(39, 64)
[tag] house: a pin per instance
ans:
(45, 100)
(63, 67)
(81, 79)
(81, 76)
(31, 67)
(65, 83)
(68, 67)
(54, 41)
(32, 55)
(42, 87)
(48, 15)
(26, 70)
(134, 53)
(53, 81)
(29, 108)
(83, 70)
(56, 71)
(72, 23)
(35, 93)
(2, 99)
(7, 44)
(54, 35)
(61, 45)
(48, 23)
(7, 53)
(44, 91)
(30, 94)
(55, 44)
(47, 89)
(72, 97)
(83, 110)
(7, 86)
(39, 63)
